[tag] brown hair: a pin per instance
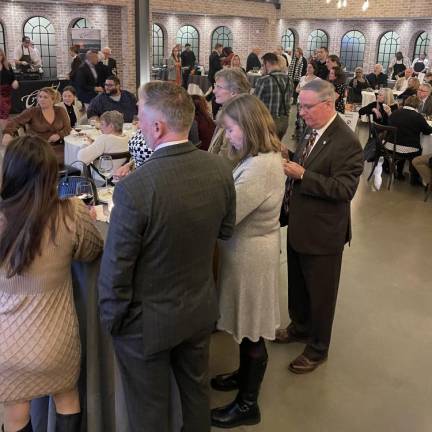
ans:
(4, 62)
(29, 201)
(339, 75)
(172, 101)
(412, 101)
(413, 83)
(201, 106)
(70, 89)
(75, 49)
(257, 124)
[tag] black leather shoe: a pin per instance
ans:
(225, 382)
(68, 422)
(239, 412)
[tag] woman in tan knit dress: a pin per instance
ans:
(39, 237)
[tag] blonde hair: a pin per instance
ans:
(414, 83)
(236, 81)
(172, 101)
(52, 93)
(388, 96)
(257, 124)
(113, 118)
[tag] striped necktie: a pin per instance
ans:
(289, 184)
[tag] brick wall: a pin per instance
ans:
(115, 22)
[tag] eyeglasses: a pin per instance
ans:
(309, 107)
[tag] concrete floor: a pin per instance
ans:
(377, 377)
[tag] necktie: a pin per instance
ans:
(289, 184)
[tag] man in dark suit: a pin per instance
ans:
(215, 62)
(321, 182)
(88, 79)
(156, 287)
(424, 94)
(109, 62)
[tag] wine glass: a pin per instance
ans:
(106, 167)
(84, 191)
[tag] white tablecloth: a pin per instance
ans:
(74, 143)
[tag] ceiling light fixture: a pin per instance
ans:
(344, 3)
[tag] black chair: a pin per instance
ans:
(386, 135)
(114, 156)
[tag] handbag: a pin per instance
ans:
(371, 148)
(67, 184)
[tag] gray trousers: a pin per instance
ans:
(421, 164)
(148, 387)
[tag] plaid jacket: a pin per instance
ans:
(267, 90)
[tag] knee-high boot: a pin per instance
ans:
(68, 422)
(229, 381)
(244, 410)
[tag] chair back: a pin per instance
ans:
(114, 156)
(386, 134)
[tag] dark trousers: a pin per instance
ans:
(147, 383)
(313, 282)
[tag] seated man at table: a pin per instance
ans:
(157, 294)
(424, 94)
(410, 124)
(402, 82)
(113, 99)
(377, 78)
(112, 140)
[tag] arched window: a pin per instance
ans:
(158, 45)
(189, 34)
(222, 35)
(352, 49)
(317, 39)
(2, 38)
(42, 33)
(288, 40)
(81, 23)
(421, 44)
(388, 47)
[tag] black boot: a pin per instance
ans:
(68, 422)
(225, 382)
(244, 410)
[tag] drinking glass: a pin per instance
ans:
(106, 167)
(84, 191)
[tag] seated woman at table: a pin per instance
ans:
(45, 120)
(72, 105)
(410, 124)
(40, 236)
(357, 85)
(411, 90)
(337, 78)
(381, 108)
(112, 140)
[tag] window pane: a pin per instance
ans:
(388, 47)
(189, 34)
(158, 45)
(421, 45)
(42, 33)
(317, 39)
(288, 40)
(222, 35)
(2, 38)
(352, 49)
(81, 23)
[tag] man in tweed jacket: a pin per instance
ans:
(156, 287)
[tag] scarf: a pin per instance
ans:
(295, 68)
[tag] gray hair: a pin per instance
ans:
(235, 79)
(323, 89)
(426, 86)
(113, 118)
(172, 101)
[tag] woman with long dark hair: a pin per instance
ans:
(204, 121)
(337, 78)
(174, 66)
(40, 235)
(7, 83)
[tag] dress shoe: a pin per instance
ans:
(286, 335)
(226, 382)
(240, 411)
(303, 365)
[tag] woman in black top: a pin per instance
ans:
(382, 108)
(337, 78)
(357, 85)
(7, 83)
(72, 105)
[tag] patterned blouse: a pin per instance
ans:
(138, 149)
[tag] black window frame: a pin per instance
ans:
(352, 54)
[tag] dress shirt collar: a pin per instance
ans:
(409, 108)
(170, 143)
